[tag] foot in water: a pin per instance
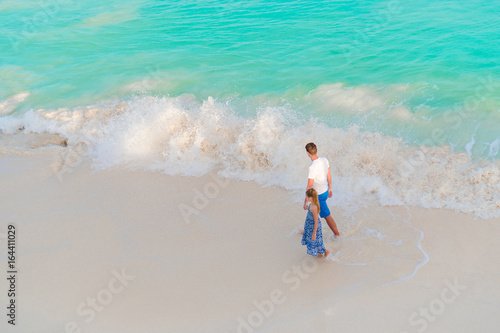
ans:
(335, 237)
(324, 255)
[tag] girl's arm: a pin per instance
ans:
(314, 211)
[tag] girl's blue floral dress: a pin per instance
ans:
(314, 247)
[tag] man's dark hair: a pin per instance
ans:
(311, 148)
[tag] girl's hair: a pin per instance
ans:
(311, 193)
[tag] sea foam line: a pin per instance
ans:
(182, 136)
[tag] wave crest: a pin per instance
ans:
(181, 136)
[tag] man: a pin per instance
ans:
(321, 180)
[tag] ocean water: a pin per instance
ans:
(403, 97)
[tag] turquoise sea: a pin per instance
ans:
(410, 73)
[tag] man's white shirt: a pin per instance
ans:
(318, 170)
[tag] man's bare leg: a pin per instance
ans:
(332, 225)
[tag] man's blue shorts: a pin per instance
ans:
(324, 211)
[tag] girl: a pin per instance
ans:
(313, 236)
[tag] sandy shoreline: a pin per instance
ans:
(154, 260)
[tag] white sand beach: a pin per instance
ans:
(122, 250)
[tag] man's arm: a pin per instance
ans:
(329, 178)
(310, 183)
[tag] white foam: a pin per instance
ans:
(10, 104)
(468, 146)
(340, 98)
(117, 16)
(359, 100)
(155, 80)
(494, 147)
(181, 136)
